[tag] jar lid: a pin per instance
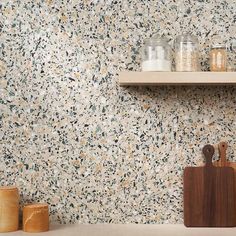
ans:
(157, 40)
(218, 45)
(186, 39)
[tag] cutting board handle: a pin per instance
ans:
(208, 152)
(222, 150)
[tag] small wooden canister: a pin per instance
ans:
(36, 218)
(9, 209)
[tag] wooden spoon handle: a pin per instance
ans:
(208, 152)
(222, 150)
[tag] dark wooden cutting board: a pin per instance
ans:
(223, 159)
(209, 194)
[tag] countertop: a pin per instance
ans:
(130, 230)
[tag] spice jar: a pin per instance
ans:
(186, 53)
(156, 55)
(231, 56)
(218, 58)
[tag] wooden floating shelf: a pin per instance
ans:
(130, 78)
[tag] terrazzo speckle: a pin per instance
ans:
(70, 136)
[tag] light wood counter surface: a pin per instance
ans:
(129, 230)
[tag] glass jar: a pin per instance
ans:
(233, 54)
(156, 55)
(186, 53)
(218, 57)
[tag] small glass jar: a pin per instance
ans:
(218, 58)
(156, 55)
(186, 53)
(231, 56)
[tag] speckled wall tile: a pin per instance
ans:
(70, 136)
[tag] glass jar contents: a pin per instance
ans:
(218, 58)
(156, 55)
(231, 56)
(186, 53)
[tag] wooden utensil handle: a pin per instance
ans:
(222, 150)
(208, 152)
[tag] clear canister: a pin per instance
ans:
(187, 53)
(156, 54)
(218, 57)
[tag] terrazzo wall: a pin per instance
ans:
(70, 136)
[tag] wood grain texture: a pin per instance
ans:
(223, 162)
(222, 146)
(130, 78)
(36, 218)
(209, 194)
(9, 209)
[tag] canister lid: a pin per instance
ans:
(218, 45)
(8, 188)
(157, 40)
(186, 39)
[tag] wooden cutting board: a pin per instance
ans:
(222, 146)
(209, 194)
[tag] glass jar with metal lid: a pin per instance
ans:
(231, 56)
(218, 57)
(156, 54)
(186, 53)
